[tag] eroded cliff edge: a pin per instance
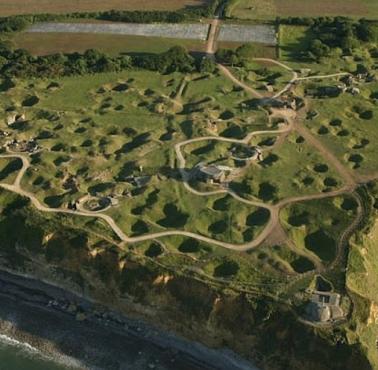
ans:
(82, 256)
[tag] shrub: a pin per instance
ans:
(227, 268)
(154, 250)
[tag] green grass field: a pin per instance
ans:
(299, 164)
(294, 43)
(9, 169)
(315, 226)
(346, 124)
(293, 40)
(12, 7)
(259, 75)
(167, 205)
(259, 50)
(100, 129)
(270, 9)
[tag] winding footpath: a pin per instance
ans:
(350, 183)
(16, 188)
(274, 210)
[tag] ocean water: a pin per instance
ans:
(15, 355)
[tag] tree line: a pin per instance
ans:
(20, 22)
(235, 57)
(20, 63)
(329, 34)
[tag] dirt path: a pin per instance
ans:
(326, 154)
(211, 41)
(253, 91)
(320, 77)
(16, 188)
(273, 229)
(274, 212)
(286, 88)
(348, 232)
(230, 76)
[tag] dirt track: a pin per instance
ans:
(273, 226)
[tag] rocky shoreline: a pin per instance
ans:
(85, 335)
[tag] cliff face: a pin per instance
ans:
(363, 287)
(254, 326)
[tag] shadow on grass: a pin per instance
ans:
(323, 245)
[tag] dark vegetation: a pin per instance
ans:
(154, 250)
(174, 218)
(20, 22)
(189, 246)
(322, 244)
(12, 167)
(302, 264)
(226, 268)
(235, 57)
(327, 34)
(19, 63)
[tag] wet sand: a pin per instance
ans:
(43, 316)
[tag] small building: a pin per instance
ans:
(138, 181)
(15, 118)
(258, 156)
(354, 91)
(23, 146)
(324, 307)
(246, 153)
(209, 173)
(326, 298)
(290, 103)
(212, 173)
(114, 201)
(72, 205)
(320, 313)
(348, 80)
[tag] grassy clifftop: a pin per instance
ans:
(361, 281)
(267, 331)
